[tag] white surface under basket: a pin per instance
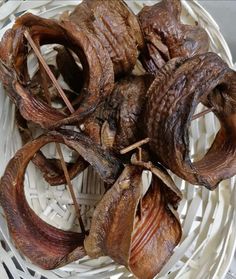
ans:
(208, 218)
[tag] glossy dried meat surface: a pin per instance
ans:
(172, 99)
(120, 92)
(166, 37)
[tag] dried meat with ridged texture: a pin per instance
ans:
(51, 168)
(166, 37)
(172, 100)
(116, 124)
(116, 27)
(95, 59)
(43, 244)
(142, 242)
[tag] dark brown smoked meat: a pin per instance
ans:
(116, 123)
(95, 59)
(51, 168)
(116, 112)
(144, 244)
(166, 37)
(172, 99)
(43, 244)
(116, 27)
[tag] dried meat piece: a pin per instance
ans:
(127, 102)
(172, 100)
(116, 27)
(96, 62)
(166, 37)
(36, 84)
(43, 244)
(51, 168)
(143, 244)
(117, 121)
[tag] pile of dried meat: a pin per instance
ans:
(119, 122)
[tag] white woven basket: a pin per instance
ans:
(208, 218)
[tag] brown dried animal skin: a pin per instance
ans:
(142, 245)
(111, 218)
(51, 168)
(36, 87)
(116, 124)
(166, 37)
(116, 27)
(156, 234)
(96, 63)
(128, 100)
(172, 99)
(43, 244)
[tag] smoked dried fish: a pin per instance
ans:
(122, 234)
(117, 121)
(117, 109)
(172, 99)
(166, 37)
(116, 27)
(43, 244)
(13, 68)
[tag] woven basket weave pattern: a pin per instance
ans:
(208, 218)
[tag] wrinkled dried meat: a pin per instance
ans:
(142, 243)
(166, 37)
(171, 105)
(116, 124)
(116, 27)
(13, 68)
(43, 244)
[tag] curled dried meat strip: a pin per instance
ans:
(97, 68)
(43, 244)
(51, 168)
(166, 37)
(142, 243)
(172, 99)
(116, 27)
